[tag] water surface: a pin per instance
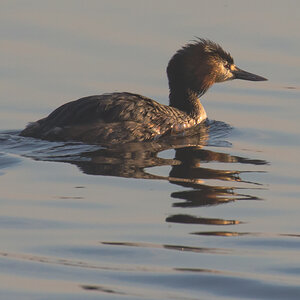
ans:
(215, 216)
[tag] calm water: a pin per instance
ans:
(216, 216)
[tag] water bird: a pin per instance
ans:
(127, 117)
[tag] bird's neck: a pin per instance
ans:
(187, 101)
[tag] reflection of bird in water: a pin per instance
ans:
(189, 168)
(126, 117)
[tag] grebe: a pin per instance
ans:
(127, 117)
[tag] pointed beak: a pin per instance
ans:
(241, 74)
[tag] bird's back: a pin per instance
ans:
(108, 118)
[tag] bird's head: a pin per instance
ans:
(200, 64)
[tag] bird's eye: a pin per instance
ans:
(227, 66)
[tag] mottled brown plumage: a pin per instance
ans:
(127, 117)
